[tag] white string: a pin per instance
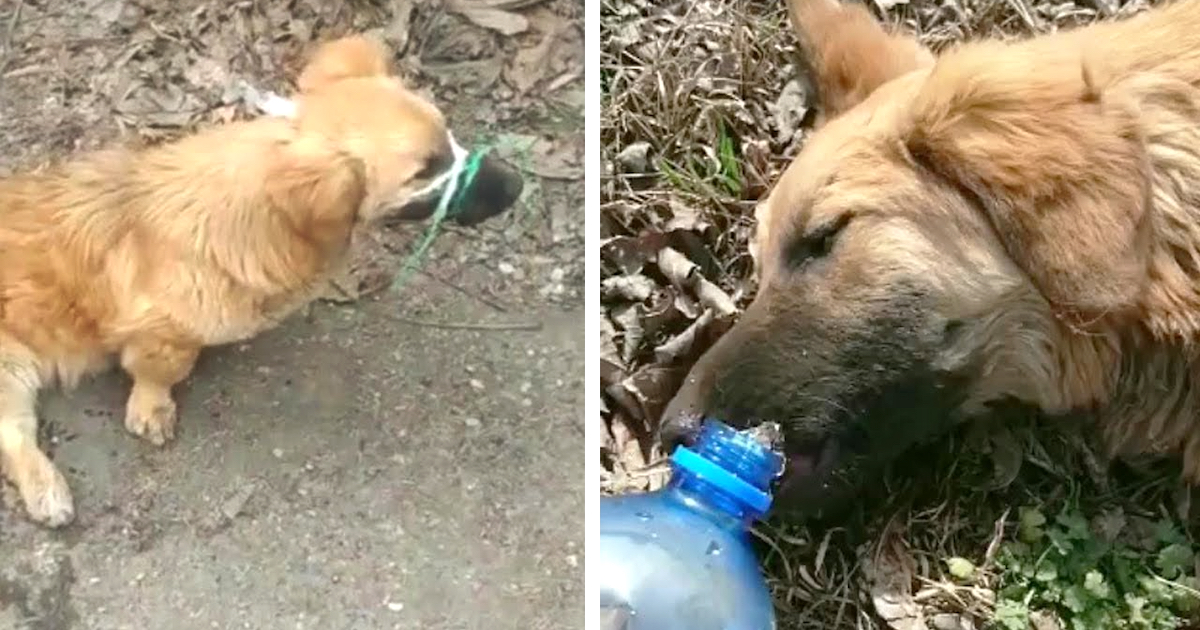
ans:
(449, 178)
(275, 105)
(268, 103)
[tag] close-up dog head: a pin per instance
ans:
(957, 231)
(400, 151)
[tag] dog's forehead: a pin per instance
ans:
(802, 193)
(377, 107)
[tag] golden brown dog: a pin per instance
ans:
(151, 255)
(1008, 220)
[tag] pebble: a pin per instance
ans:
(472, 422)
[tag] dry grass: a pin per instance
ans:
(702, 108)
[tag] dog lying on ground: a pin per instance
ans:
(1005, 221)
(150, 255)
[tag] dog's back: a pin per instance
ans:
(91, 249)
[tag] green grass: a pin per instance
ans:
(718, 176)
(1069, 568)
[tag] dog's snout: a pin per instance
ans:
(683, 416)
(496, 187)
(679, 430)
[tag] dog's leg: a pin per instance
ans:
(155, 365)
(43, 488)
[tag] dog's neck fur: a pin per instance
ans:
(1142, 392)
(1136, 373)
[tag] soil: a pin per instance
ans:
(363, 465)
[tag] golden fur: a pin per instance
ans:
(1025, 216)
(150, 255)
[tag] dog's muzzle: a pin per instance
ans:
(474, 189)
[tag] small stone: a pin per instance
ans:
(506, 268)
(572, 561)
(557, 275)
(395, 606)
(235, 504)
(277, 452)
(472, 422)
(634, 158)
(476, 384)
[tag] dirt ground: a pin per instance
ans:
(364, 465)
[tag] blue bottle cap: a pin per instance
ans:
(734, 463)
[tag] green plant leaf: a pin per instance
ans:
(1075, 526)
(1046, 572)
(1174, 560)
(1030, 524)
(1166, 533)
(1075, 599)
(1095, 584)
(1012, 615)
(960, 568)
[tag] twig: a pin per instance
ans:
(527, 326)
(476, 296)
(483, 300)
(8, 36)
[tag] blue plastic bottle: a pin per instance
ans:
(680, 558)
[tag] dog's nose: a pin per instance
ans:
(683, 416)
(679, 430)
(496, 187)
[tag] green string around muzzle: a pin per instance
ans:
(450, 204)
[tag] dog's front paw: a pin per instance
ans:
(151, 417)
(46, 495)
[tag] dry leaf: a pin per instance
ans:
(676, 267)
(635, 158)
(488, 17)
(789, 110)
(687, 347)
(634, 288)
(683, 344)
(889, 574)
(396, 33)
(653, 387)
(608, 346)
(687, 218)
(684, 273)
(529, 65)
(629, 319)
(661, 314)
(1007, 456)
(557, 159)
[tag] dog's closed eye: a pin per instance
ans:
(435, 165)
(817, 242)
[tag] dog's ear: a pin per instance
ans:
(848, 53)
(1054, 159)
(317, 193)
(349, 57)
